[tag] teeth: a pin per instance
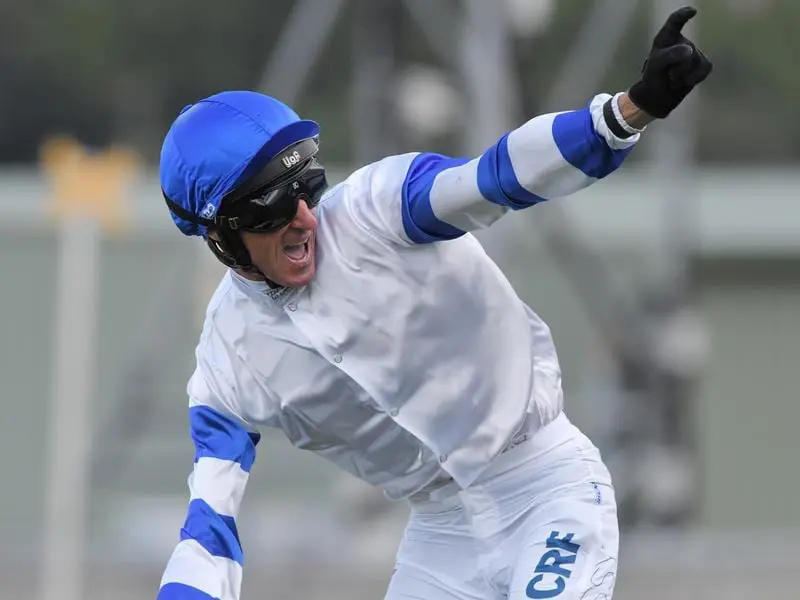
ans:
(296, 251)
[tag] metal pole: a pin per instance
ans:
(674, 174)
(672, 152)
(302, 39)
(371, 102)
(484, 64)
(590, 55)
(436, 21)
(70, 428)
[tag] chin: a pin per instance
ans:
(294, 277)
(300, 280)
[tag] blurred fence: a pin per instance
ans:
(307, 532)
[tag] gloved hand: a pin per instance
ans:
(671, 70)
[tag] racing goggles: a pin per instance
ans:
(264, 208)
(268, 201)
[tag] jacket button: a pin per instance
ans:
(394, 412)
(337, 359)
(443, 458)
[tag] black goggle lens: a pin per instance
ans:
(274, 209)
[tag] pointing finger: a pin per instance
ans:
(678, 19)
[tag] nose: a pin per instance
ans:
(305, 218)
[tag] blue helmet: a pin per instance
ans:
(219, 144)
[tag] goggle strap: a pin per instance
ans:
(218, 221)
(185, 214)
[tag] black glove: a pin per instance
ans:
(671, 70)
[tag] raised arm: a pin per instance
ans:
(551, 155)
(207, 562)
(420, 198)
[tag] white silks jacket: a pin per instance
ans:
(408, 360)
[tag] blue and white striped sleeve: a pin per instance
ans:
(207, 562)
(551, 155)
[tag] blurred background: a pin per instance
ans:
(672, 288)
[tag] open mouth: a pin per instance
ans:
(297, 252)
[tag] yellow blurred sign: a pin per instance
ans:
(88, 183)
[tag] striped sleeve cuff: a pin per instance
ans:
(551, 155)
(193, 573)
(207, 563)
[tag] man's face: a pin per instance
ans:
(286, 256)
